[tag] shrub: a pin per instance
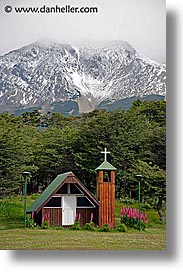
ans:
(122, 228)
(130, 217)
(30, 223)
(45, 225)
(146, 206)
(127, 201)
(4, 211)
(10, 209)
(90, 226)
(105, 228)
(76, 226)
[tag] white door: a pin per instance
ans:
(68, 210)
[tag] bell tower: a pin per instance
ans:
(106, 191)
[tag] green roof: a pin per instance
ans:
(105, 166)
(47, 192)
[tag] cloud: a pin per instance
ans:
(140, 22)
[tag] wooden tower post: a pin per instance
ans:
(106, 191)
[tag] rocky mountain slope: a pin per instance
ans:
(44, 75)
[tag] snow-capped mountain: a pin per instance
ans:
(43, 74)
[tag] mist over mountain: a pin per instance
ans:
(74, 79)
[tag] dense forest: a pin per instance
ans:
(50, 144)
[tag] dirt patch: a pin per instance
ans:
(86, 104)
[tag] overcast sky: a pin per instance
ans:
(140, 22)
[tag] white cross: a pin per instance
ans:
(105, 153)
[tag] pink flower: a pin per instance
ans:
(133, 213)
(79, 217)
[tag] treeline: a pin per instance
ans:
(47, 145)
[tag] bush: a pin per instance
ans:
(90, 226)
(130, 217)
(146, 206)
(105, 228)
(10, 209)
(45, 225)
(127, 201)
(30, 223)
(76, 226)
(122, 228)
(4, 211)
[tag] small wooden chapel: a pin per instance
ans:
(66, 199)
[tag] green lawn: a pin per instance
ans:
(14, 236)
(150, 239)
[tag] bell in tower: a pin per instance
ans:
(106, 191)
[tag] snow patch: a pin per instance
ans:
(79, 83)
(23, 101)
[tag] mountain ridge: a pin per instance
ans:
(40, 74)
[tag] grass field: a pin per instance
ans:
(151, 239)
(14, 236)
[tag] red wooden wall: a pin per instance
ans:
(85, 215)
(106, 196)
(54, 215)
